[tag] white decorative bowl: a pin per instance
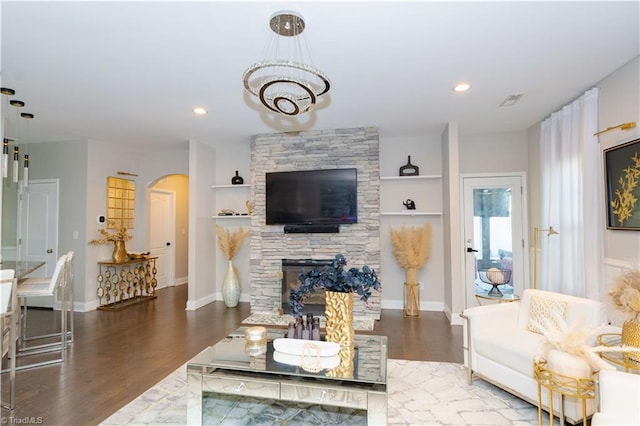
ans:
(316, 364)
(300, 346)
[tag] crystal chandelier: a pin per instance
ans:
(285, 82)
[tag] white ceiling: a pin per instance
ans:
(131, 72)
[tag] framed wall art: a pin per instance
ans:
(622, 185)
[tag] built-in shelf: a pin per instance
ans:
(244, 185)
(412, 213)
(217, 217)
(423, 177)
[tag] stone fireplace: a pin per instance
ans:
(359, 242)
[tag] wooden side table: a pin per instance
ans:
(576, 387)
(122, 284)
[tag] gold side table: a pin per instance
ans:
(503, 298)
(576, 387)
(620, 359)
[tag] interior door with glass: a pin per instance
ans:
(494, 238)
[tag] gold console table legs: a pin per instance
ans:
(121, 284)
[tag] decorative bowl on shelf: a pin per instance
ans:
(138, 256)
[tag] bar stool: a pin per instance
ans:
(8, 335)
(69, 291)
(39, 287)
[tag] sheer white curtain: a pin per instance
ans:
(571, 195)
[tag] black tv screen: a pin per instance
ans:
(312, 197)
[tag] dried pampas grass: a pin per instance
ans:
(230, 242)
(411, 245)
(625, 293)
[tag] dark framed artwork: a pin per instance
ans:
(622, 185)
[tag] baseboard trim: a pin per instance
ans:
(424, 305)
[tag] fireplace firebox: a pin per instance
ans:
(291, 268)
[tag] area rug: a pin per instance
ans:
(284, 320)
(420, 393)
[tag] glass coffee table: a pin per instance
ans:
(233, 366)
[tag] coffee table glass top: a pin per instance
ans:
(233, 354)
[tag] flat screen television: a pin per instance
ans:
(312, 197)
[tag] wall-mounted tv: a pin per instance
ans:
(312, 197)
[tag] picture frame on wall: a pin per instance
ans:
(622, 185)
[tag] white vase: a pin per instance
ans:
(231, 287)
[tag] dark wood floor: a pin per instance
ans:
(118, 355)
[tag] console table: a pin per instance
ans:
(122, 284)
(227, 368)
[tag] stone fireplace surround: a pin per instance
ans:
(359, 242)
(291, 268)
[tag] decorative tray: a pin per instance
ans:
(300, 346)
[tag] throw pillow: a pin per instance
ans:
(541, 308)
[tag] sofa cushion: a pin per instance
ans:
(568, 364)
(511, 347)
(590, 313)
(541, 308)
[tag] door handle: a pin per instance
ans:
(168, 244)
(471, 250)
(49, 251)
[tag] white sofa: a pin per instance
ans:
(501, 349)
(619, 397)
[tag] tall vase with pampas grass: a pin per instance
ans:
(411, 248)
(230, 243)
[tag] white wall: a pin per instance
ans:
(454, 285)
(494, 153)
(202, 239)
(231, 157)
(425, 152)
(619, 102)
(103, 161)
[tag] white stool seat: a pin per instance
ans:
(28, 288)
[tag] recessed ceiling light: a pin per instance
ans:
(199, 111)
(462, 87)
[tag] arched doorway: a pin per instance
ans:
(168, 228)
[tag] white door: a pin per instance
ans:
(38, 229)
(494, 237)
(162, 234)
(38, 224)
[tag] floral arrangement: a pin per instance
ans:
(334, 277)
(111, 237)
(230, 242)
(625, 293)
